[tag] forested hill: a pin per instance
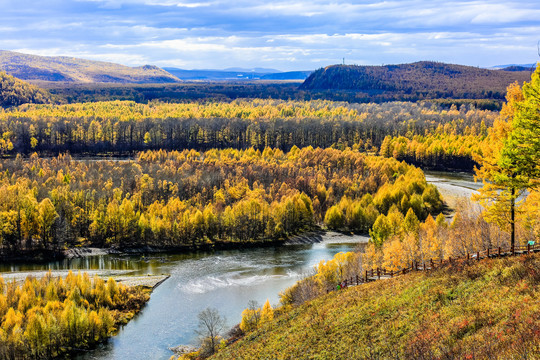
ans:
(69, 69)
(416, 81)
(14, 92)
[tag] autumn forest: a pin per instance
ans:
(247, 173)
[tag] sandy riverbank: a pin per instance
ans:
(85, 251)
(150, 281)
(453, 187)
(311, 237)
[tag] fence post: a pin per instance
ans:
(499, 251)
(424, 266)
(357, 282)
(378, 273)
(528, 248)
(487, 253)
(512, 250)
(366, 275)
(478, 256)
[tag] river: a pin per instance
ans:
(225, 280)
(453, 186)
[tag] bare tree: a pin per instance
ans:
(211, 324)
(255, 307)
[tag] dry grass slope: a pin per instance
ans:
(485, 310)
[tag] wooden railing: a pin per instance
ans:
(380, 273)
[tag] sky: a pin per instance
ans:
(283, 35)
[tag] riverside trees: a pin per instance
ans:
(502, 184)
(190, 199)
(48, 317)
(509, 169)
(510, 163)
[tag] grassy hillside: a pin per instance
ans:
(485, 310)
(14, 92)
(69, 69)
(420, 80)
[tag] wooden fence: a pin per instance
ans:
(378, 273)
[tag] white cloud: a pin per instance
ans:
(288, 35)
(118, 3)
(503, 14)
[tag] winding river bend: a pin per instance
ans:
(226, 280)
(453, 186)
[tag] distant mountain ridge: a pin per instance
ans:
(513, 66)
(257, 70)
(415, 81)
(237, 74)
(69, 69)
(287, 75)
(517, 68)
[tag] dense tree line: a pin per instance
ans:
(121, 127)
(49, 317)
(436, 151)
(178, 199)
(482, 104)
(175, 93)
(446, 147)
